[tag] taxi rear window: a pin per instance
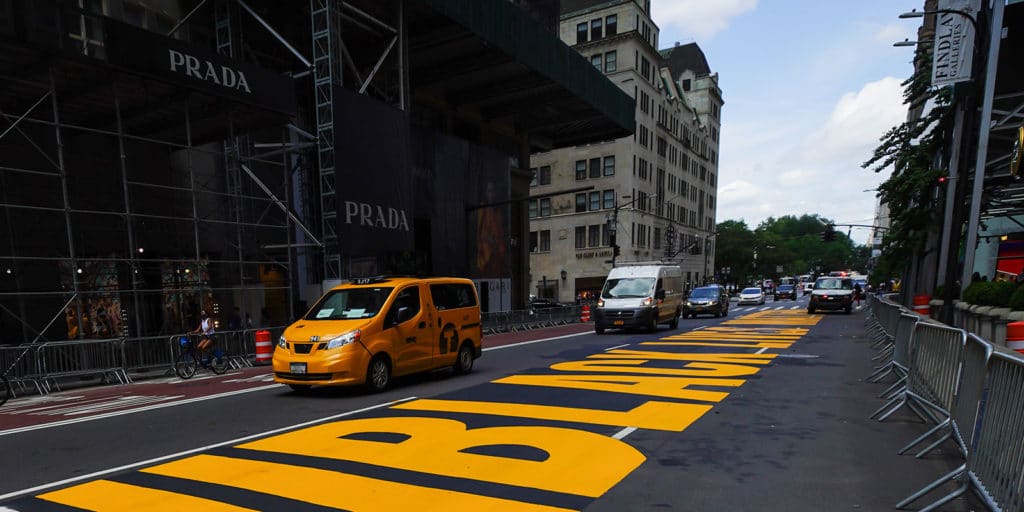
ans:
(349, 303)
(452, 296)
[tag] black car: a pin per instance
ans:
(785, 291)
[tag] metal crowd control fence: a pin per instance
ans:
(521, 320)
(39, 367)
(79, 358)
(900, 352)
(964, 419)
(931, 382)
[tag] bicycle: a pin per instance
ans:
(191, 359)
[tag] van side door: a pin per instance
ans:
(407, 326)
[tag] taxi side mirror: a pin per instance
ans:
(401, 315)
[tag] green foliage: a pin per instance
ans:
(973, 291)
(1001, 291)
(909, 151)
(793, 243)
(1017, 299)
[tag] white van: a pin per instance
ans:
(636, 296)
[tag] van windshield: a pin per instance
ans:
(349, 304)
(627, 288)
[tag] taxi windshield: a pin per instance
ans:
(629, 287)
(349, 304)
(704, 293)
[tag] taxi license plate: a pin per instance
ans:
(298, 367)
(619, 322)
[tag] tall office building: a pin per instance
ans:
(651, 196)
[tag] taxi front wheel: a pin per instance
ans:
(378, 374)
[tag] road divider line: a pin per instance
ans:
(624, 432)
(97, 474)
(617, 346)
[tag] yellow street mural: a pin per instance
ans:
(435, 450)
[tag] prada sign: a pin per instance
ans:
(170, 60)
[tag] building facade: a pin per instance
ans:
(651, 196)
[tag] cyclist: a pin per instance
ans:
(205, 332)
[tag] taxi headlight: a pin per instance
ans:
(344, 339)
(281, 342)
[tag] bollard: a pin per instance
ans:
(585, 315)
(1015, 336)
(922, 305)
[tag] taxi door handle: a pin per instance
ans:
(422, 325)
(438, 322)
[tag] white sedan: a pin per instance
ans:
(751, 296)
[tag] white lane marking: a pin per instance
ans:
(780, 307)
(534, 341)
(133, 411)
(698, 328)
(764, 308)
(618, 346)
(134, 465)
(618, 435)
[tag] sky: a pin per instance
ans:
(809, 88)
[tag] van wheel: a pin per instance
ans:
(464, 361)
(378, 374)
(674, 324)
(653, 326)
(598, 329)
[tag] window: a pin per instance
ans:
(581, 203)
(532, 209)
(581, 169)
(545, 241)
(545, 175)
(452, 296)
(594, 235)
(545, 207)
(657, 238)
(533, 177)
(596, 61)
(595, 201)
(686, 84)
(609, 165)
(611, 25)
(407, 298)
(595, 167)
(605, 235)
(609, 199)
(533, 241)
(595, 29)
(645, 67)
(610, 61)
(581, 237)
(581, 33)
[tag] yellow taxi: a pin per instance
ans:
(369, 330)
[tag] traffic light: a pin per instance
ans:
(829, 234)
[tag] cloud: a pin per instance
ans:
(700, 19)
(817, 171)
(891, 33)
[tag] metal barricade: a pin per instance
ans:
(21, 363)
(79, 358)
(144, 354)
(900, 352)
(995, 463)
(962, 423)
(935, 354)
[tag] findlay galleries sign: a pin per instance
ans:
(953, 53)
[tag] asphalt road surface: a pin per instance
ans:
(763, 410)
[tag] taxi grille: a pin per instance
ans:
(302, 348)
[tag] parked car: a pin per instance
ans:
(832, 293)
(751, 296)
(785, 291)
(711, 300)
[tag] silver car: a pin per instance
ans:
(751, 295)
